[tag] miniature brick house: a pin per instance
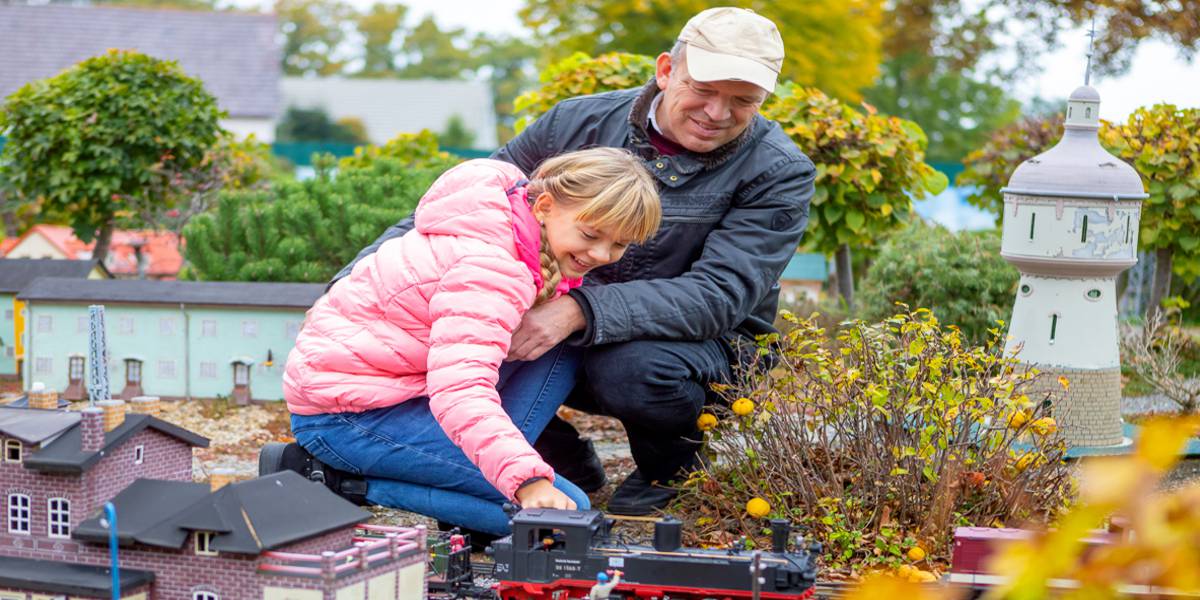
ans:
(279, 537)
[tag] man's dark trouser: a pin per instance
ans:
(657, 389)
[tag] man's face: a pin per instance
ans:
(703, 115)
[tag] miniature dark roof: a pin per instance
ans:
(141, 506)
(228, 293)
(34, 426)
(67, 578)
(551, 517)
(16, 273)
(234, 54)
(66, 455)
(248, 517)
(22, 401)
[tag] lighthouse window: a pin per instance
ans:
(1083, 235)
(1127, 220)
(1025, 289)
(1070, 109)
(1053, 326)
(1093, 294)
(1032, 222)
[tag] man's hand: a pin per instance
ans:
(544, 327)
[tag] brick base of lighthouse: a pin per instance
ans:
(1089, 414)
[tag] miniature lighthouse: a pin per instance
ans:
(1070, 227)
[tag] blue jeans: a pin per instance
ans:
(410, 464)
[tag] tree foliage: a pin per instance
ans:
(833, 45)
(960, 277)
(313, 31)
(456, 134)
(381, 28)
(579, 75)
(96, 139)
(988, 168)
(870, 167)
(408, 150)
(302, 231)
(314, 125)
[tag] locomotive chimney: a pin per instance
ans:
(668, 534)
(780, 530)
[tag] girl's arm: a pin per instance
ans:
(477, 305)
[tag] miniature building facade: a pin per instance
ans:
(1070, 227)
(279, 537)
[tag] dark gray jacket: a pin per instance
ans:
(732, 219)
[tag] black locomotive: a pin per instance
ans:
(556, 554)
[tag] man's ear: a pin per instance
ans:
(541, 206)
(662, 70)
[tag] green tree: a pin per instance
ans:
(314, 125)
(961, 277)
(1163, 144)
(833, 45)
(313, 30)
(435, 53)
(988, 168)
(456, 134)
(380, 27)
(579, 75)
(870, 167)
(507, 63)
(301, 231)
(408, 150)
(96, 139)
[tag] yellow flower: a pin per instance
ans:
(1064, 382)
(916, 554)
(758, 508)
(706, 422)
(743, 407)
(1044, 426)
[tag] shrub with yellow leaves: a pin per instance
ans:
(881, 435)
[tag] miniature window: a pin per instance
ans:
(81, 325)
(12, 451)
(1053, 327)
(43, 366)
(205, 596)
(166, 369)
(45, 324)
(249, 329)
(125, 325)
(1093, 294)
(208, 370)
(8, 314)
(208, 328)
(18, 513)
(204, 547)
(59, 518)
(1127, 228)
(75, 368)
(1032, 223)
(166, 326)
(1083, 235)
(133, 371)
(1025, 289)
(139, 454)
(292, 329)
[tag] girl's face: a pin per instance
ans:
(577, 246)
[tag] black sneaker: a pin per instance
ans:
(275, 457)
(571, 456)
(638, 497)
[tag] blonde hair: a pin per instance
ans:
(613, 190)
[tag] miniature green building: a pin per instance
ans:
(172, 339)
(15, 274)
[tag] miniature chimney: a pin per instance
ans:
(91, 428)
(114, 413)
(220, 478)
(40, 397)
(145, 405)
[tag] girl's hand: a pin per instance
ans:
(543, 494)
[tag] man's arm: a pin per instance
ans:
(742, 258)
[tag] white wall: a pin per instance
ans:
(1085, 334)
(262, 129)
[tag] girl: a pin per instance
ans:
(397, 375)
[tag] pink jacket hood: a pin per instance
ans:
(432, 313)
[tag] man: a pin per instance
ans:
(659, 325)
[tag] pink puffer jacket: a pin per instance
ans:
(432, 314)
